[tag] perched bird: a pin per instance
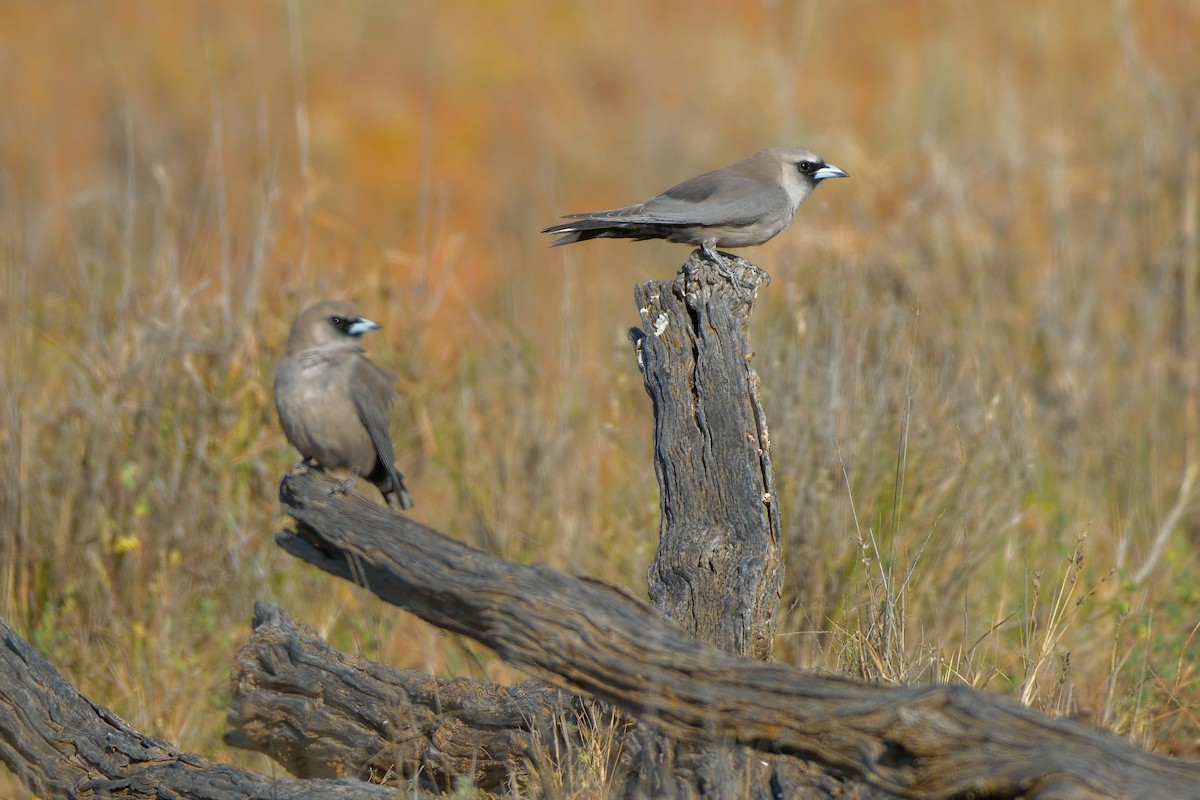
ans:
(741, 205)
(333, 401)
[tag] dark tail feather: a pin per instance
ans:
(400, 500)
(585, 229)
(581, 231)
(391, 486)
(571, 237)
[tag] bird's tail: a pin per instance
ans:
(400, 499)
(579, 231)
(583, 229)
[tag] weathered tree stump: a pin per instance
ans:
(718, 571)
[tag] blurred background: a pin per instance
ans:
(979, 354)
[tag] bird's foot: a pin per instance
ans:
(729, 273)
(346, 486)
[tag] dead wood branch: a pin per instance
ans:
(61, 744)
(322, 713)
(585, 636)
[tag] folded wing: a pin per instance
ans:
(373, 396)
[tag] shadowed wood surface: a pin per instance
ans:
(585, 636)
(718, 570)
(61, 744)
(322, 713)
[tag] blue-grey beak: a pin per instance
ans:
(361, 326)
(829, 171)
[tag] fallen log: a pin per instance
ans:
(942, 741)
(321, 713)
(61, 744)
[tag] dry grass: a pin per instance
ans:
(979, 354)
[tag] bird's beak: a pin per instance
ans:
(361, 326)
(829, 171)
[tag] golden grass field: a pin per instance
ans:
(979, 354)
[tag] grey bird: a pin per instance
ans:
(742, 205)
(333, 402)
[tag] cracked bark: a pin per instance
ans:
(718, 571)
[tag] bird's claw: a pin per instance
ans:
(346, 486)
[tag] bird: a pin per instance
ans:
(742, 205)
(333, 401)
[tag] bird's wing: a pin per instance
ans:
(373, 394)
(702, 200)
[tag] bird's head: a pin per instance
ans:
(801, 170)
(812, 167)
(328, 324)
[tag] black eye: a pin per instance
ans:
(337, 321)
(807, 167)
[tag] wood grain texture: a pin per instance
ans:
(585, 636)
(718, 570)
(61, 744)
(323, 713)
